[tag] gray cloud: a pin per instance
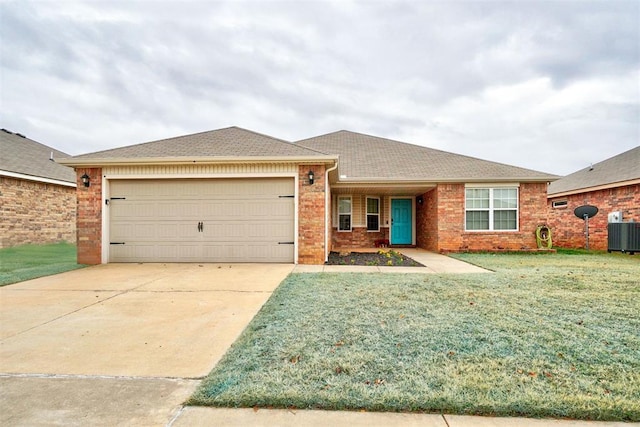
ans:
(503, 81)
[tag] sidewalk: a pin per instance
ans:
(199, 416)
(433, 263)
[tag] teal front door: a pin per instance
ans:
(401, 222)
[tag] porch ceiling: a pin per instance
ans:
(413, 189)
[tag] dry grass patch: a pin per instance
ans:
(545, 336)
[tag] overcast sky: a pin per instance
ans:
(548, 85)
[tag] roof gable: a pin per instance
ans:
(21, 155)
(224, 143)
(364, 157)
(621, 168)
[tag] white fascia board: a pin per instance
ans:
(88, 162)
(37, 179)
(382, 184)
(491, 184)
(399, 181)
(594, 188)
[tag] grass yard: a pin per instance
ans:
(31, 261)
(555, 335)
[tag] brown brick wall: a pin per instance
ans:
(568, 231)
(89, 218)
(450, 217)
(311, 215)
(427, 221)
(36, 213)
(440, 221)
(358, 237)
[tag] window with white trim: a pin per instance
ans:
(344, 213)
(491, 209)
(559, 204)
(373, 214)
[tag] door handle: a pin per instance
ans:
(199, 227)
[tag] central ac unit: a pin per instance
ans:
(615, 216)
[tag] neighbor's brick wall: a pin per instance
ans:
(567, 230)
(442, 226)
(311, 215)
(358, 237)
(36, 213)
(89, 217)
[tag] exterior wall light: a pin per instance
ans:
(311, 177)
(86, 180)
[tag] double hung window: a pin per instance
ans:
(373, 214)
(344, 213)
(491, 209)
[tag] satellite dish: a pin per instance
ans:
(585, 211)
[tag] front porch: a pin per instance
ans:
(369, 217)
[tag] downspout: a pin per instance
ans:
(327, 219)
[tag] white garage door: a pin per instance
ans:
(202, 220)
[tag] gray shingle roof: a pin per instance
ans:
(620, 168)
(228, 142)
(22, 155)
(365, 157)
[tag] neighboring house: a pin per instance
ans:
(37, 195)
(232, 195)
(612, 185)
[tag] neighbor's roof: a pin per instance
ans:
(617, 170)
(227, 144)
(24, 158)
(369, 158)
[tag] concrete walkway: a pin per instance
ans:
(198, 416)
(433, 263)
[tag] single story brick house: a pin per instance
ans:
(233, 195)
(37, 195)
(612, 185)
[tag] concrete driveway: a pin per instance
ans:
(121, 344)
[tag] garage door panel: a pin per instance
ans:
(282, 231)
(153, 232)
(139, 209)
(223, 208)
(247, 232)
(223, 231)
(143, 253)
(235, 252)
(244, 220)
(185, 210)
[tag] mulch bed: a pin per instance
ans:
(388, 258)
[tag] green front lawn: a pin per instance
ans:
(553, 335)
(31, 261)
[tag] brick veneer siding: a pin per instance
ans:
(89, 217)
(358, 237)
(567, 230)
(34, 212)
(440, 221)
(427, 221)
(311, 215)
